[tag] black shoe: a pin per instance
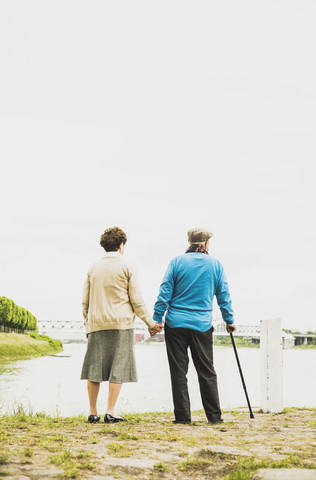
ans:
(220, 420)
(93, 418)
(110, 419)
(182, 420)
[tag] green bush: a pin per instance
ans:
(15, 318)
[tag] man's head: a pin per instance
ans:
(199, 235)
(113, 239)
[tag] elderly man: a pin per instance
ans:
(186, 295)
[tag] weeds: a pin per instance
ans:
(160, 467)
(127, 436)
(245, 467)
(192, 463)
(120, 449)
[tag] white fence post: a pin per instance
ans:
(271, 361)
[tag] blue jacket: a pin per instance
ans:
(187, 292)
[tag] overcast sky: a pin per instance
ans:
(159, 116)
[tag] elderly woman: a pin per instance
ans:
(111, 301)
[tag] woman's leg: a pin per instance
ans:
(93, 391)
(114, 390)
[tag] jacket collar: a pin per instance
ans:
(112, 254)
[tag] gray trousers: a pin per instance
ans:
(201, 345)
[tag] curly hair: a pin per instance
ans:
(112, 238)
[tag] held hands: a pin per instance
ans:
(156, 329)
(231, 328)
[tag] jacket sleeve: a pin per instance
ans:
(223, 298)
(136, 299)
(85, 298)
(165, 294)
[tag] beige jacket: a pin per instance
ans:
(111, 296)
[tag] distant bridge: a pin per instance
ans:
(69, 325)
(75, 326)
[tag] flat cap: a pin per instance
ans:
(199, 235)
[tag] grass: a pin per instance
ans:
(305, 347)
(192, 463)
(73, 463)
(160, 467)
(14, 346)
(77, 448)
(245, 467)
(127, 436)
(120, 449)
(225, 341)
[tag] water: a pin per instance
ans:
(53, 383)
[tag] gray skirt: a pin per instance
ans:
(110, 356)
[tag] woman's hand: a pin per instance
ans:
(156, 329)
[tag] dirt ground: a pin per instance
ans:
(151, 447)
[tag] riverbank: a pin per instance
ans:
(15, 346)
(149, 447)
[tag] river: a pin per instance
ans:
(52, 384)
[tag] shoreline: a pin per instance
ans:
(21, 346)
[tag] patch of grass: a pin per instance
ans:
(84, 454)
(107, 431)
(235, 413)
(61, 458)
(4, 473)
(160, 467)
(87, 466)
(192, 463)
(182, 453)
(93, 439)
(71, 471)
(120, 449)
(28, 452)
(163, 436)
(127, 436)
(245, 467)
(190, 442)
(3, 459)
(211, 454)
(297, 409)
(73, 463)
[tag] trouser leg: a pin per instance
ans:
(177, 351)
(201, 346)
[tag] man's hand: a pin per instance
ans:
(231, 328)
(156, 329)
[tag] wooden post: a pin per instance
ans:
(271, 362)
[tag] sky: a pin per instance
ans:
(158, 117)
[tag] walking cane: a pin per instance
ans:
(241, 375)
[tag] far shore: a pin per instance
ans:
(23, 346)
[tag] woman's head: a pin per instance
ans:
(112, 239)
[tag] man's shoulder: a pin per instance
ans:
(214, 260)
